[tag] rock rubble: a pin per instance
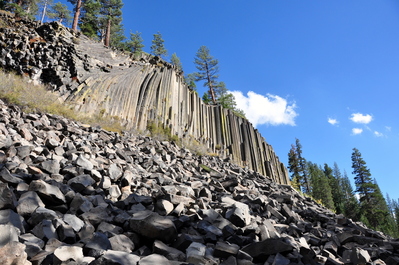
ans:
(75, 194)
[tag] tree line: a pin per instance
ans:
(102, 20)
(329, 186)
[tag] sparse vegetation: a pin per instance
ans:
(160, 132)
(36, 98)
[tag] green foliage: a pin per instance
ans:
(176, 62)
(372, 204)
(158, 131)
(90, 22)
(320, 189)
(297, 166)
(60, 12)
(135, 43)
(22, 8)
(158, 47)
(190, 81)
(207, 68)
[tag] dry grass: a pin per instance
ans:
(36, 98)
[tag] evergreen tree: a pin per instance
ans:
(227, 100)
(176, 62)
(207, 68)
(135, 44)
(60, 12)
(206, 98)
(90, 22)
(111, 12)
(351, 204)
(371, 200)
(45, 5)
(117, 37)
(77, 11)
(293, 166)
(22, 8)
(337, 189)
(320, 189)
(190, 81)
(157, 47)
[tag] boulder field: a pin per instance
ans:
(75, 194)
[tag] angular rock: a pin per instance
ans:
(121, 243)
(261, 250)
(8, 216)
(152, 225)
(68, 253)
(8, 234)
(170, 253)
(7, 197)
(47, 192)
(154, 259)
(28, 203)
(13, 254)
(113, 257)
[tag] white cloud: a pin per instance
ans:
(332, 121)
(360, 118)
(269, 109)
(356, 131)
(378, 134)
(388, 128)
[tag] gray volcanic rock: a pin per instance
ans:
(162, 205)
(152, 225)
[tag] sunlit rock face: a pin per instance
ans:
(136, 90)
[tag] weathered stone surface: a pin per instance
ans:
(7, 197)
(112, 257)
(47, 192)
(13, 254)
(261, 250)
(68, 253)
(8, 234)
(121, 243)
(152, 225)
(170, 253)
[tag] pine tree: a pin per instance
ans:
(351, 204)
(207, 68)
(174, 60)
(371, 200)
(77, 11)
(60, 12)
(111, 11)
(157, 47)
(293, 166)
(320, 188)
(190, 81)
(90, 22)
(135, 44)
(334, 180)
(22, 8)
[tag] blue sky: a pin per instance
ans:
(325, 72)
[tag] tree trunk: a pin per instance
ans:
(77, 15)
(108, 33)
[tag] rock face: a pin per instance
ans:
(138, 90)
(161, 205)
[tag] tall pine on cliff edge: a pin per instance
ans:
(208, 68)
(373, 206)
(158, 47)
(111, 11)
(77, 9)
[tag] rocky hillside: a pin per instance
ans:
(138, 90)
(75, 194)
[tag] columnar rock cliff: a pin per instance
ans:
(136, 90)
